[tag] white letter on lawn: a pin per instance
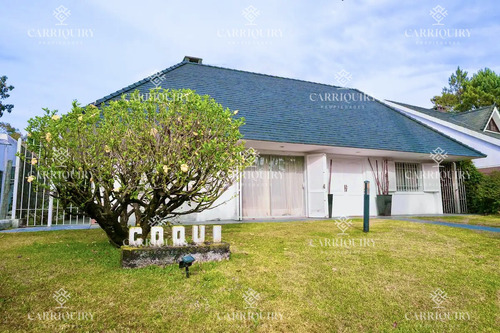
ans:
(179, 235)
(217, 233)
(157, 232)
(131, 236)
(198, 238)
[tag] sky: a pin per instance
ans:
(55, 52)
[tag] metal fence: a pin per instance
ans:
(33, 205)
(453, 189)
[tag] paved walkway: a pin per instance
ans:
(266, 220)
(94, 226)
(53, 228)
(448, 224)
(400, 218)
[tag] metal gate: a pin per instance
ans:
(32, 205)
(453, 189)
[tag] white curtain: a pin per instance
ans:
(255, 189)
(274, 186)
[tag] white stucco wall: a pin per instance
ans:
(416, 203)
(350, 203)
(227, 211)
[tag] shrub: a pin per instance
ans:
(473, 180)
(488, 195)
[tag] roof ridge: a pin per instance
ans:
(138, 83)
(412, 106)
(401, 103)
(452, 114)
(269, 75)
(472, 110)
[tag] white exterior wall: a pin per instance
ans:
(487, 148)
(354, 171)
(416, 203)
(229, 210)
(347, 171)
(7, 152)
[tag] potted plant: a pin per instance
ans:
(383, 199)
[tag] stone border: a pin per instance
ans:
(9, 223)
(137, 257)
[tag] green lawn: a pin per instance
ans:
(486, 220)
(301, 285)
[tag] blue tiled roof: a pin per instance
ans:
(288, 110)
(475, 120)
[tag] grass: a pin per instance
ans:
(486, 220)
(302, 285)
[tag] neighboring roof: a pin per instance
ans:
(475, 120)
(281, 110)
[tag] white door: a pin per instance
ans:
(347, 187)
(317, 205)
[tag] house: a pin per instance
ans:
(478, 128)
(314, 139)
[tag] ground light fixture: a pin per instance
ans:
(366, 207)
(185, 262)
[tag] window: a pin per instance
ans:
(492, 127)
(11, 194)
(408, 177)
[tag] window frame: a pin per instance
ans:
(408, 185)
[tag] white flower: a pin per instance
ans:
(153, 131)
(236, 112)
(56, 117)
(184, 168)
(34, 161)
(165, 168)
(107, 149)
(80, 118)
(48, 137)
(30, 179)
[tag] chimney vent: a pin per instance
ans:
(193, 59)
(441, 108)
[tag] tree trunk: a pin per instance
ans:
(111, 225)
(115, 232)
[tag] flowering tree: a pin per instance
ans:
(170, 154)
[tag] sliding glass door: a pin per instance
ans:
(274, 187)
